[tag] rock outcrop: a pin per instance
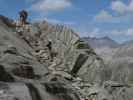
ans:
(75, 56)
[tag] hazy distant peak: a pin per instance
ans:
(100, 42)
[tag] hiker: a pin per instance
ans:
(49, 46)
(23, 16)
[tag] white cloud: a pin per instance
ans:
(120, 7)
(123, 32)
(103, 16)
(130, 32)
(96, 32)
(55, 21)
(130, 7)
(123, 13)
(51, 5)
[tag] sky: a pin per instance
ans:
(94, 18)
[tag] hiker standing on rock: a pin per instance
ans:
(23, 16)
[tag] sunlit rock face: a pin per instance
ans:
(76, 57)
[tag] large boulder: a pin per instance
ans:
(37, 91)
(15, 53)
(14, 91)
(5, 76)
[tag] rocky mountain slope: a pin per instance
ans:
(70, 70)
(119, 60)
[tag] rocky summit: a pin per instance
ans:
(41, 61)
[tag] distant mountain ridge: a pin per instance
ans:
(128, 42)
(100, 42)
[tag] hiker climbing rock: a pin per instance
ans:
(22, 24)
(23, 17)
(49, 46)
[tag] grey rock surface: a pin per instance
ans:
(69, 69)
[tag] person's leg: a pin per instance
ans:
(25, 19)
(21, 20)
